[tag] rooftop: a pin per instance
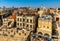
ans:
(46, 17)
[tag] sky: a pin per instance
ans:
(30, 3)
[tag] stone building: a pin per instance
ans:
(27, 21)
(44, 26)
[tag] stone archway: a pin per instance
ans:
(46, 35)
(40, 34)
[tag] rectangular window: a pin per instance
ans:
(31, 26)
(30, 20)
(47, 27)
(27, 20)
(9, 23)
(27, 25)
(17, 19)
(21, 19)
(17, 23)
(57, 19)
